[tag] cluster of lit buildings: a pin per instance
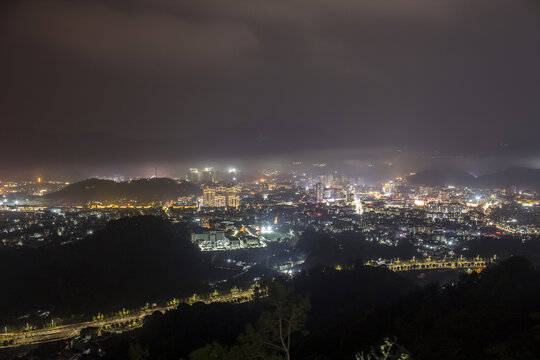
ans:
(216, 240)
(221, 196)
(38, 226)
(38, 187)
(292, 203)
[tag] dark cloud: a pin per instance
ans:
(101, 82)
(138, 39)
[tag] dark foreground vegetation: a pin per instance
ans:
(325, 313)
(330, 314)
(140, 260)
(129, 263)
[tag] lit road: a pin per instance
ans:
(128, 322)
(460, 263)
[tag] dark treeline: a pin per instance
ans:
(491, 315)
(504, 247)
(137, 260)
(130, 262)
(349, 247)
(333, 296)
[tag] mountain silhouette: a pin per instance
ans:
(522, 178)
(143, 190)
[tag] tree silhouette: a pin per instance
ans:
(389, 350)
(270, 337)
(137, 352)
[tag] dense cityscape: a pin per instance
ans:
(440, 230)
(278, 207)
(270, 180)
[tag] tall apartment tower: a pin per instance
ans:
(221, 196)
(233, 199)
(319, 192)
(209, 196)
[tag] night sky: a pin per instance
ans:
(116, 84)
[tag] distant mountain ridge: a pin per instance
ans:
(441, 177)
(522, 178)
(142, 190)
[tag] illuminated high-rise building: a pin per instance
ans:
(233, 199)
(329, 181)
(209, 195)
(329, 193)
(220, 200)
(358, 205)
(319, 192)
(221, 196)
(388, 189)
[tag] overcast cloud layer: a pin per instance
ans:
(110, 82)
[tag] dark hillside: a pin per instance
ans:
(107, 191)
(130, 262)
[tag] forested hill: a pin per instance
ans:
(108, 191)
(491, 315)
(130, 262)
